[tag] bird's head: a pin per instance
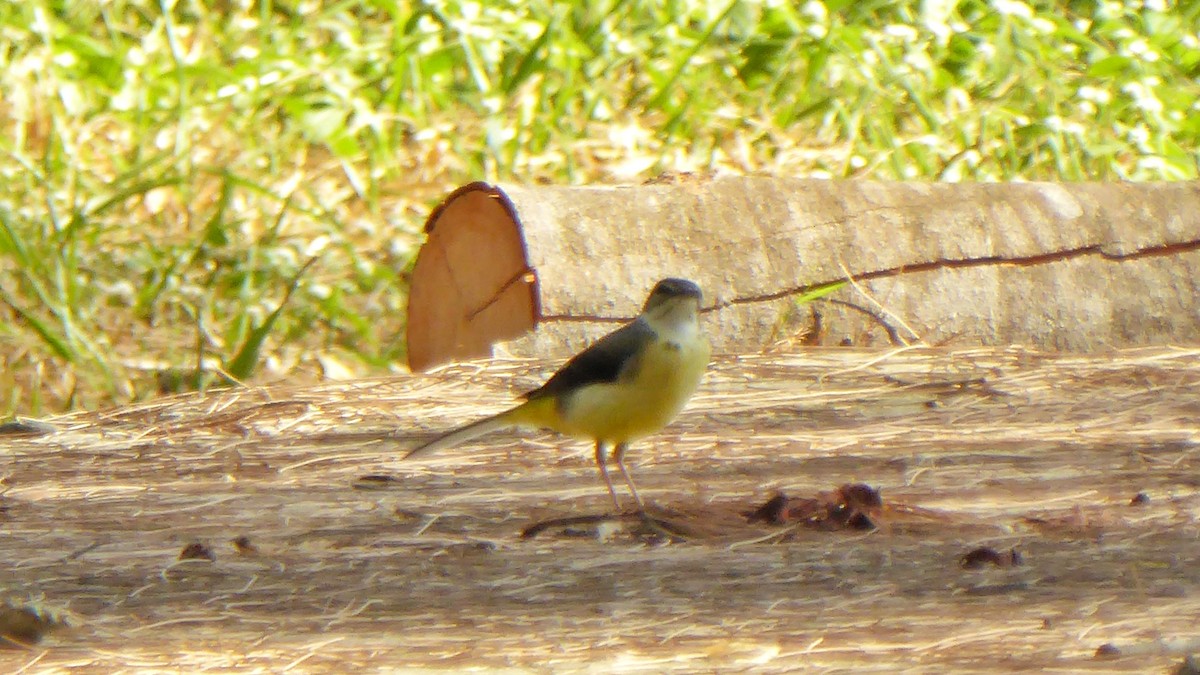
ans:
(671, 296)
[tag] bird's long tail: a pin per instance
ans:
(463, 434)
(536, 413)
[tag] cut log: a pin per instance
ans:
(1058, 266)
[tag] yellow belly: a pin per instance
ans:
(640, 404)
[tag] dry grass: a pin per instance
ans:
(1003, 448)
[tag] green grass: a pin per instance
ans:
(238, 186)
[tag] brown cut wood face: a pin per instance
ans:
(471, 284)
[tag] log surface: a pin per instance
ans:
(1073, 267)
(1003, 448)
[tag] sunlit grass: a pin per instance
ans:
(168, 176)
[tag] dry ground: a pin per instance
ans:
(1000, 448)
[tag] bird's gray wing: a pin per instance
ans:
(603, 361)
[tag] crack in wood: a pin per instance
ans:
(1020, 261)
(512, 281)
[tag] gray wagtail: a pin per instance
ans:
(627, 385)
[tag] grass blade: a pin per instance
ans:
(242, 365)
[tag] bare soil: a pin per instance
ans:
(294, 563)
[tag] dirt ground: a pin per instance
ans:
(295, 564)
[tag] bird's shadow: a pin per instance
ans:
(654, 525)
(639, 525)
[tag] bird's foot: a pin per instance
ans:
(655, 526)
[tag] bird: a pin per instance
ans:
(627, 385)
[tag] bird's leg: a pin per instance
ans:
(619, 458)
(655, 524)
(602, 463)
